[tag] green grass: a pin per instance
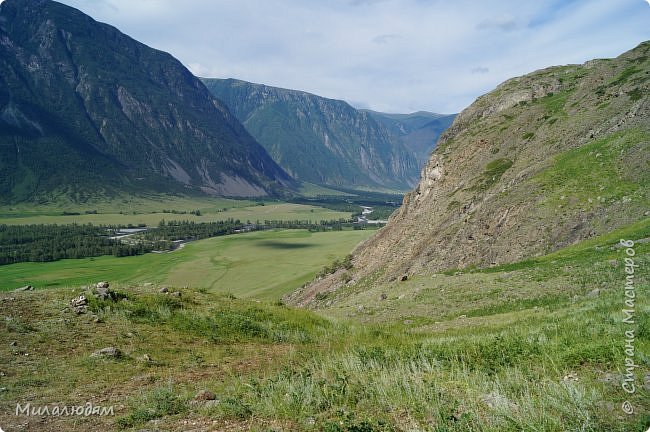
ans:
(625, 75)
(532, 365)
(493, 172)
(265, 264)
(150, 213)
(597, 171)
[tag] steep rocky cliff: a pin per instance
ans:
(419, 131)
(542, 162)
(319, 140)
(84, 109)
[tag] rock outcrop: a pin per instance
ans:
(542, 162)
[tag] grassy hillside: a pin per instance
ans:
(526, 347)
(542, 162)
(265, 264)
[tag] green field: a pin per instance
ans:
(265, 264)
(530, 346)
(149, 211)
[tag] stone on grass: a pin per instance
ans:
(79, 304)
(25, 288)
(205, 395)
(593, 293)
(104, 293)
(108, 352)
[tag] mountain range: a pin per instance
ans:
(327, 141)
(319, 140)
(419, 131)
(87, 111)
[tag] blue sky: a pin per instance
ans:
(388, 55)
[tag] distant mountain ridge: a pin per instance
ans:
(86, 110)
(320, 140)
(419, 131)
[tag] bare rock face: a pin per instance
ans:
(538, 164)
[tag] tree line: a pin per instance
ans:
(42, 243)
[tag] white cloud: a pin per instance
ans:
(388, 55)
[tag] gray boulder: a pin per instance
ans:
(108, 352)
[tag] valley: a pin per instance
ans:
(181, 251)
(264, 265)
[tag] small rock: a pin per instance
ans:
(14, 343)
(401, 296)
(404, 277)
(79, 304)
(147, 284)
(25, 288)
(108, 352)
(572, 376)
(163, 290)
(146, 358)
(408, 322)
(593, 293)
(205, 395)
(103, 293)
(462, 317)
(102, 284)
(383, 296)
(79, 301)
(176, 294)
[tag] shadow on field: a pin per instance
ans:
(272, 244)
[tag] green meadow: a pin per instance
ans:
(266, 264)
(151, 215)
(514, 348)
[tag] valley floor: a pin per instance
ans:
(534, 346)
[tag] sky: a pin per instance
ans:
(387, 55)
